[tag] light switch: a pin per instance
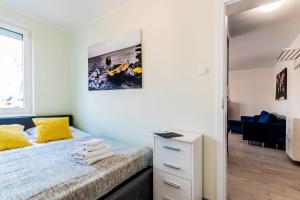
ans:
(202, 71)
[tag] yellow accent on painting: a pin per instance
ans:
(138, 70)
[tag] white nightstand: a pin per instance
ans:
(178, 167)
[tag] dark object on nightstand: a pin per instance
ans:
(168, 134)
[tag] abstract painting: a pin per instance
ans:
(116, 64)
(281, 85)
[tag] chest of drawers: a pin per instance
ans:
(178, 167)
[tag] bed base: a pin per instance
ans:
(137, 187)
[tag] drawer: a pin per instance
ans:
(175, 166)
(170, 187)
(162, 196)
(173, 148)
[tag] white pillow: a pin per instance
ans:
(31, 133)
(78, 133)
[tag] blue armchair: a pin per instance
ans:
(266, 128)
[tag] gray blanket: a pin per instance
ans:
(48, 172)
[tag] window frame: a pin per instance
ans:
(27, 73)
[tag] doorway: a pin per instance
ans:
(229, 8)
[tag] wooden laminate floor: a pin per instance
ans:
(260, 173)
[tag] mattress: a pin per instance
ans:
(46, 172)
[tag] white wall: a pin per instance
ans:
(254, 90)
(290, 107)
(50, 63)
(177, 37)
(250, 92)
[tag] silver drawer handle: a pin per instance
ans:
(171, 184)
(171, 166)
(166, 198)
(172, 148)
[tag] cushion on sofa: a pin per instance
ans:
(255, 118)
(266, 117)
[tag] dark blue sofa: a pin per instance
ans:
(235, 126)
(266, 128)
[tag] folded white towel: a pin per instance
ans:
(87, 155)
(94, 159)
(92, 142)
(92, 148)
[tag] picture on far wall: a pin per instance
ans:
(281, 85)
(116, 64)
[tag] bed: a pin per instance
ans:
(47, 171)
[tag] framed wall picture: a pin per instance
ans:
(116, 64)
(281, 85)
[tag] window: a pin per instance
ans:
(15, 71)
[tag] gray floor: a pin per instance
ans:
(260, 173)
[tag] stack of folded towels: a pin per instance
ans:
(91, 151)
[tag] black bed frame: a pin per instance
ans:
(137, 187)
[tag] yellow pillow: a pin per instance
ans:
(12, 137)
(52, 129)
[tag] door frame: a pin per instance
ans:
(222, 92)
(221, 75)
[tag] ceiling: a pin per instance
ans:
(68, 15)
(257, 38)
